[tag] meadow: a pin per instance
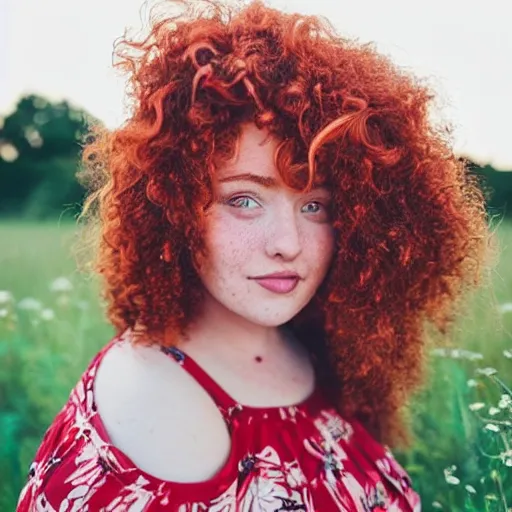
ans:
(52, 323)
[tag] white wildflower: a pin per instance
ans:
(472, 383)
(493, 411)
(61, 284)
(5, 297)
(506, 458)
(452, 480)
(47, 314)
(505, 401)
(492, 427)
(476, 406)
(29, 303)
(506, 307)
(448, 476)
(458, 353)
(470, 489)
(8, 152)
(507, 354)
(486, 371)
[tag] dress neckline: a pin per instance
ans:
(224, 400)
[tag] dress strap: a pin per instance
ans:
(224, 402)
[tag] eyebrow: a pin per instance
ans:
(265, 181)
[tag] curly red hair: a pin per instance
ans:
(410, 221)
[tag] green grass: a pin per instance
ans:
(40, 361)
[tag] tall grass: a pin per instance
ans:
(51, 325)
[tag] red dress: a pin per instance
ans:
(302, 458)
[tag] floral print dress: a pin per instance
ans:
(299, 458)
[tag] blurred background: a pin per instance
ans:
(56, 77)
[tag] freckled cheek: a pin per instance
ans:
(319, 247)
(235, 243)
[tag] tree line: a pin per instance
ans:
(40, 146)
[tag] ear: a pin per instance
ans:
(198, 262)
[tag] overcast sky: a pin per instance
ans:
(62, 49)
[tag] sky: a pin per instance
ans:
(63, 49)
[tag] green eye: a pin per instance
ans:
(315, 203)
(240, 202)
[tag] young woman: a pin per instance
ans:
(280, 222)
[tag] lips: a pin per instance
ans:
(278, 284)
(282, 274)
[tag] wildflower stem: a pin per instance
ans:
(497, 479)
(498, 381)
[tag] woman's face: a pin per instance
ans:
(258, 226)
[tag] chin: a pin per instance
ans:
(269, 320)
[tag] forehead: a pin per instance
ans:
(254, 160)
(254, 152)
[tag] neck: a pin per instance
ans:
(221, 331)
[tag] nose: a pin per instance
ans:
(284, 237)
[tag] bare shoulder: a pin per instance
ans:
(127, 372)
(153, 411)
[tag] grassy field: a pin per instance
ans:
(51, 324)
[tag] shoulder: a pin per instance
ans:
(124, 373)
(144, 399)
(133, 379)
